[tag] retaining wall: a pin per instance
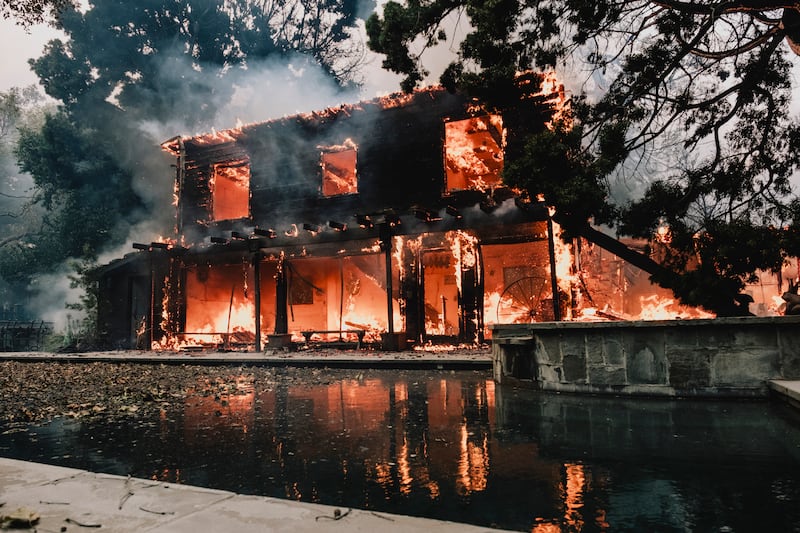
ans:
(709, 357)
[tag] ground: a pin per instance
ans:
(46, 386)
(37, 391)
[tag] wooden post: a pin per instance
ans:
(551, 248)
(281, 300)
(386, 244)
(257, 303)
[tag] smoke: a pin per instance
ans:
(272, 88)
(206, 101)
(50, 294)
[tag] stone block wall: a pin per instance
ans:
(709, 357)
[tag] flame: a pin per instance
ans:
(474, 152)
(655, 307)
(176, 190)
(555, 95)
(564, 260)
(663, 233)
(218, 137)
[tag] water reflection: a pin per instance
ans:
(450, 445)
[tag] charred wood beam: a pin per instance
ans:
(269, 233)
(736, 304)
(257, 299)
(453, 212)
(364, 221)
(281, 300)
(551, 250)
(386, 246)
(426, 215)
(619, 249)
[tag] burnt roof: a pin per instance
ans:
(310, 120)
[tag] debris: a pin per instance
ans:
(381, 516)
(19, 518)
(128, 493)
(81, 524)
(156, 512)
(337, 515)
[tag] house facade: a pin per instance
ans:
(385, 221)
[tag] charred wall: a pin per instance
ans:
(128, 314)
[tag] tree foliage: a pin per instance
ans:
(128, 64)
(29, 12)
(688, 103)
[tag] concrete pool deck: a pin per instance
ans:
(786, 390)
(66, 499)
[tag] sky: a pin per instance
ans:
(18, 46)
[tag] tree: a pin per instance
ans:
(20, 216)
(697, 109)
(125, 65)
(29, 12)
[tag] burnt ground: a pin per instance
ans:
(39, 391)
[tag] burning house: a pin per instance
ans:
(383, 221)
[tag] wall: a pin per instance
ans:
(710, 357)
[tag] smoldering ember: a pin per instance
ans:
(383, 223)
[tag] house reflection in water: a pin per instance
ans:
(428, 441)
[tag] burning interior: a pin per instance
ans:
(384, 221)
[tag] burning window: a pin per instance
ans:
(338, 164)
(230, 190)
(473, 152)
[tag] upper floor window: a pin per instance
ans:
(338, 164)
(230, 190)
(473, 152)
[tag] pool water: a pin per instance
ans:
(456, 446)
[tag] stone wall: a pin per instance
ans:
(713, 357)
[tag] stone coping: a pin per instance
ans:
(613, 324)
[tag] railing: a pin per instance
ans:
(23, 335)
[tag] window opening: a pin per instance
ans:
(230, 190)
(474, 152)
(338, 164)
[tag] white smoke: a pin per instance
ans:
(50, 295)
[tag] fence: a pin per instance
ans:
(23, 336)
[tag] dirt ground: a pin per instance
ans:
(39, 391)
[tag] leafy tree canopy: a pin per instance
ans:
(689, 102)
(128, 63)
(29, 12)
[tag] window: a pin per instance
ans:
(230, 190)
(474, 152)
(338, 164)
